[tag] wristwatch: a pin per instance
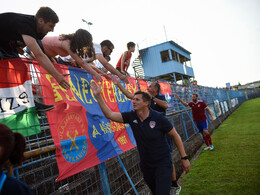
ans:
(185, 158)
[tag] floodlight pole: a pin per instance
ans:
(88, 23)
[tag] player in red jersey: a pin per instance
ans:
(199, 116)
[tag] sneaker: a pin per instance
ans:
(211, 147)
(42, 107)
(207, 148)
(175, 190)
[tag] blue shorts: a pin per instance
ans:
(202, 125)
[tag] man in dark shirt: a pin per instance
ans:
(149, 129)
(20, 30)
(159, 104)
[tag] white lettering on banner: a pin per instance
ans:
(11, 103)
(15, 99)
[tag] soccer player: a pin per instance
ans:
(199, 116)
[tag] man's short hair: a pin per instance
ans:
(157, 85)
(145, 96)
(47, 14)
(130, 44)
(197, 95)
(107, 43)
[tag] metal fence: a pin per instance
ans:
(121, 174)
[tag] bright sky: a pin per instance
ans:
(222, 35)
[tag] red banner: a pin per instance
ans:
(142, 84)
(166, 91)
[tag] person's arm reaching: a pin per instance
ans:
(110, 68)
(80, 62)
(184, 103)
(100, 71)
(44, 61)
(114, 116)
(116, 81)
(161, 103)
(177, 140)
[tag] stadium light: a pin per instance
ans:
(88, 23)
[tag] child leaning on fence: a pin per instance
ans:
(12, 147)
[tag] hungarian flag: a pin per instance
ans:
(17, 109)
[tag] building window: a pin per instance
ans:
(182, 59)
(165, 56)
(174, 55)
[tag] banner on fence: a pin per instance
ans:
(83, 136)
(17, 108)
(125, 104)
(166, 91)
(217, 107)
(142, 84)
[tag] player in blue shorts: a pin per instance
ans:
(198, 112)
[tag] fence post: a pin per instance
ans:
(104, 179)
(192, 121)
(246, 95)
(229, 102)
(185, 129)
(127, 175)
(208, 118)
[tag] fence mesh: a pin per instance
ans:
(40, 171)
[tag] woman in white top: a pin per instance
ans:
(101, 51)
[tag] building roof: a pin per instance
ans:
(172, 42)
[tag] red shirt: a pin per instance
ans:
(198, 111)
(126, 62)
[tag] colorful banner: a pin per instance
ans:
(166, 91)
(17, 108)
(143, 85)
(125, 104)
(83, 136)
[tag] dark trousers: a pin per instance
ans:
(158, 179)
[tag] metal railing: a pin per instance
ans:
(121, 174)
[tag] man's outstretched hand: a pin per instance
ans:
(62, 81)
(124, 79)
(95, 88)
(116, 80)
